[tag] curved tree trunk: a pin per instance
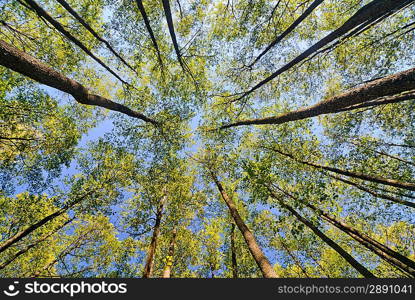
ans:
(23, 63)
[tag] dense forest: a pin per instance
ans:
(207, 139)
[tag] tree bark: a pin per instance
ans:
(373, 193)
(170, 255)
(294, 25)
(94, 33)
(364, 16)
(394, 258)
(23, 63)
(59, 27)
(391, 85)
(32, 245)
(259, 257)
(353, 262)
(400, 184)
(148, 268)
(233, 253)
(149, 29)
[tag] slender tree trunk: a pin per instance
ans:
(373, 193)
(233, 253)
(148, 268)
(361, 19)
(170, 255)
(395, 183)
(149, 29)
(295, 260)
(294, 25)
(259, 257)
(353, 262)
(23, 63)
(25, 232)
(391, 85)
(93, 32)
(32, 245)
(59, 27)
(169, 19)
(384, 252)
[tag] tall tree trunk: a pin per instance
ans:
(94, 33)
(295, 260)
(233, 253)
(353, 262)
(170, 255)
(23, 63)
(148, 268)
(294, 25)
(259, 257)
(33, 245)
(384, 252)
(59, 27)
(387, 86)
(368, 14)
(149, 29)
(25, 232)
(373, 193)
(395, 183)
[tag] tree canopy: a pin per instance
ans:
(196, 138)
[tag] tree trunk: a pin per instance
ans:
(394, 258)
(259, 257)
(400, 184)
(295, 260)
(387, 86)
(59, 27)
(294, 25)
(353, 262)
(94, 33)
(148, 268)
(23, 63)
(373, 193)
(369, 13)
(233, 253)
(149, 29)
(170, 256)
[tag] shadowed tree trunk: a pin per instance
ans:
(259, 257)
(23, 63)
(170, 255)
(233, 253)
(387, 86)
(148, 268)
(353, 262)
(395, 183)
(149, 29)
(368, 14)
(33, 245)
(394, 258)
(294, 25)
(58, 26)
(25, 232)
(93, 32)
(373, 193)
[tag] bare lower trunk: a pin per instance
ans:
(148, 268)
(233, 253)
(170, 256)
(259, 257)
